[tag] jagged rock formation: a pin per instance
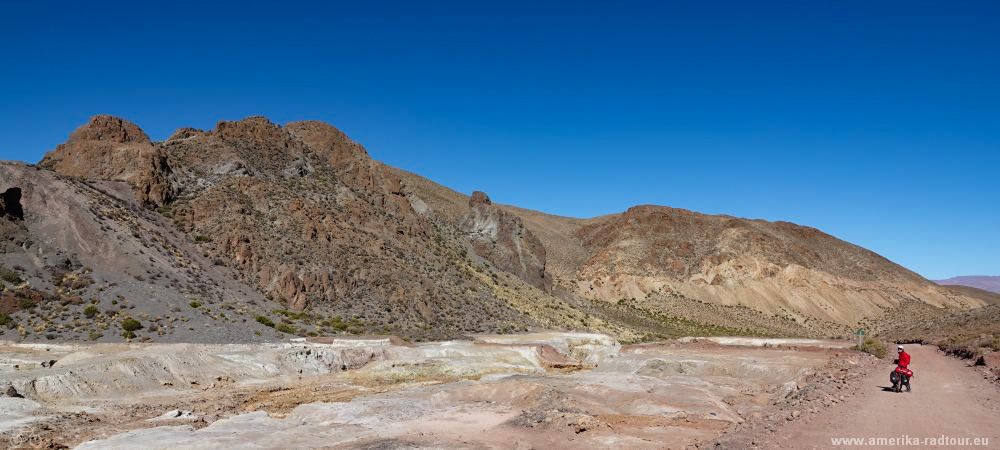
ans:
(501, 238)
(109, 148)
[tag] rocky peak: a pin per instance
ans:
(252, 129)
(354, 167)
(479, 198)
(110, 148)
(329, 142)
(109, 129)
(185, 133)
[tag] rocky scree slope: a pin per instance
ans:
(79, 258)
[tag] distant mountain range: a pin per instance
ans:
(984, 282)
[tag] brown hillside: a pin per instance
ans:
(313, 236)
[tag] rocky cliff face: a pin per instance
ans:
(501, 238)
(109, 148)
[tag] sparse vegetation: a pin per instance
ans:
(264, 320)
(195, 304)
(90, 311)
(286, 328)
(130, 326)
(10, 276)
(873, 346)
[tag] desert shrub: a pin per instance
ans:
(195, 304)
(10, 276)
(263, 320)
(90, 311)
(995, 344)
(286, 328)
(5, 319)
(25, 303)
(338, 323)
(874, 347)
(93, 335)
(130, 326)
(202, 238)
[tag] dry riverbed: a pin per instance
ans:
(539, 390)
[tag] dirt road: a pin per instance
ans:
(948, 399)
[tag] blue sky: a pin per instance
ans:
(878, 122)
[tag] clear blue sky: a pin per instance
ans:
(878, 122)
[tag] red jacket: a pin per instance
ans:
(904, 359)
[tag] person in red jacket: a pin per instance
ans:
(903, 362)
(904, 358)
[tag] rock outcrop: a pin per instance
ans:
(501, 238)
(110, 148)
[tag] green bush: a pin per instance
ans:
(5, 319)
(130, 326)
(90, 311)
(195, 304)
(202, 238)
(10, 276)
(286, 328)
(265, 321)
(874, 347)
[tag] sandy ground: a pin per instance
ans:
(948, 399)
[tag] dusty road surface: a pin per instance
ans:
(948, 399)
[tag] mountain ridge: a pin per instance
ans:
(336, 241)
(989, 283)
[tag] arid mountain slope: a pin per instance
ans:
(89, 245)
(305, 216)
(297, 228)
(656, 254)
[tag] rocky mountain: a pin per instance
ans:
(253, 230)
(984, 282)
(654, 256)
